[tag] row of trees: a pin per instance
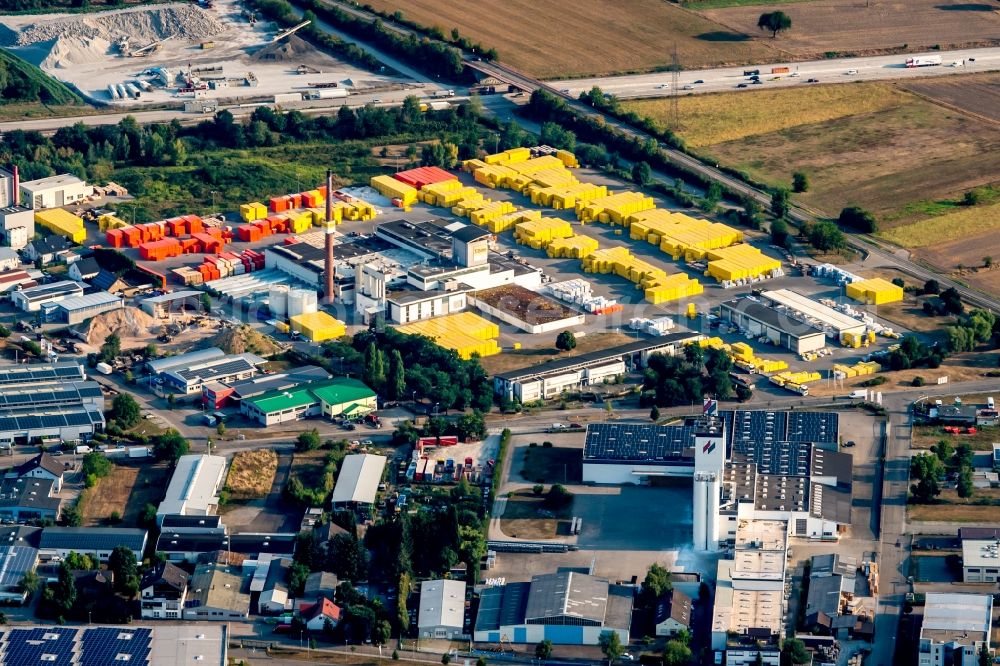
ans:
(675, 380)
(928, 470)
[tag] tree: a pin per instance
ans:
(926, 470)
(29, 583)
(481, 661)
(943, 450)
(80, 561)
(111, 349)
(566, 341)
(677, 653)
(779, 202)
(125, 410)
(987, 262)
(654, 413)
(779, 233)
(800, 182)
(826, 236)
(446, 659)
(775, 22)
(713, 195)
(642, 173)
(395, 383)
(965, 488)
(170, 445)
(151, 351)
(122, 564)
(71, 516)
(381, 632)
(858, 219)
(611, 646)
(794, 651)
(932, 286)
(971, 198)
(537, 489)
(543, 650)
(373, 372)
(558, 497)
(308, 441)
(97, 464)
(297, 575)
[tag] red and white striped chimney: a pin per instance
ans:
(329, 237)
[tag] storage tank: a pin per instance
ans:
(302, 301)
(113, 91)
(121, 91)
(133, 91)
(278, 300)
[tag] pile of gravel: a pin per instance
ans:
(140, 26)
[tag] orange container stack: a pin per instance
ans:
(158, 250)
(115, 237)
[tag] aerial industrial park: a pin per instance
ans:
(353, 334)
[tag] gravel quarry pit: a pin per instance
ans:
(83, 51)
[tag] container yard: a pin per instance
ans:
(874, 291)
(466, 333)
(317, 326)
(63, 223)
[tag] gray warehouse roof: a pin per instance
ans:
(92, 538)
(567, 593)
(184, 360)
(359, 477)
(89, 301)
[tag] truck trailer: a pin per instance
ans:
(327, 93)
(923, 61)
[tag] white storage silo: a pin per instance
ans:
(277, 300)
(302, 301)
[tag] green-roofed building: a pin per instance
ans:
(330, 398)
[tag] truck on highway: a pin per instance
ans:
(923, 61)
(780, 70)
(327, 93)
(751, 72)
(443, 93)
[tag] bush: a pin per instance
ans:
(858, 219)
(917, 381)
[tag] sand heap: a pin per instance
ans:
(67, 51)
(242, 339)
(127, 323)
(140, 26)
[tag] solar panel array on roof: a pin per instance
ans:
(777, 458)
(112, 645)
(52, 646)
(221, 369)
(56, 394)
(633, 441)
(18, 374)
(56, 419)
(812, 427)
(15, 561)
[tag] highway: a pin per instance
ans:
(875, 68)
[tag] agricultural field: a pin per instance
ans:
(252, 473)
(859, 28)
(900, 148)
(955, 509)
(126, 490)
(635, 36)
(976, 94)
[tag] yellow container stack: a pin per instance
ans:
(388, 186)
(614, 209)
(251, 212)
(568, 158)
(800, 378)
(446, 193)
(537, 234)
(680, 235)
(875, 291)
(318, 326)
(858, 369)
(739, 262)
(674, 287)
(492, 211)
(659, 287)
(63, 223)
(464, 332)
(301, 221)
(565, 196)
(512, 156)
(106, 222)
(575, 247)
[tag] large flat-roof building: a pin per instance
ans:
(191, 379)
(777, 324)
(567, 608)
(28, 499)
(833, 322)
(357, 483)
(955, 628)
(54, 191)
(194, 486)
(980, 560)
(98, 542)
(548, 380)
(48, 401)
(442, 609)
(18, 556)
(217, 592)
(340, 396)
(80, 308)
(33, 299)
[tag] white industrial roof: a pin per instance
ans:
(965, 615)
(184, 360)
(814, 309)
(981, 553)
(61, 180)
(89, 301)
(192, 487)
(189, 643)
(442, 604)
(359, 477)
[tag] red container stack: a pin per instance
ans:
(423, 176)
(115, 238)
(160, 249)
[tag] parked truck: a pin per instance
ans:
(327, 93)
(443, 93)
(139, 452)
(923, 61)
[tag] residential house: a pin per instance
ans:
(318, 584)
(163, 592)
(215, 592)
(48, 249)
(84, 270)
(274, 598)
(9, 259)
(42, 466)
(28, 499)
(320, 614)
(673, 613)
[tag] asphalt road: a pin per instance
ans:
(875, 68)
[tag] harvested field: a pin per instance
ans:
(881, 160)
(520, 358)
(252, 473)
(126, 490)
(593, 38)
(710, 119)
(968, 224)
(977, 94)
(954, 512)
(863, 28)
(525, 517)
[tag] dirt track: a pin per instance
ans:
(858, 27)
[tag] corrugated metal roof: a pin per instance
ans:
(442, 604)
(89, 301)
(359, 477)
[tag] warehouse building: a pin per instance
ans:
(11, 280)
(525, 309)
(358, 481)
(833, 322)
(19, 555)
(60, 371)
(217, 592)
(188, 373)
(80, 308)
(194, 486)
(980, 560)
(48, 402)
(548, 380)
(340, 396)
(33, 298)
(54, 191)
(217, 394)
(174, 302)
(442, 610)
(567, 608)
(778, 325)
(97, 542)
(955, 628)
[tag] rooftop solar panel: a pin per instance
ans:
(15, 561)
(112, 645)
(217, 370)
(52, 646)
(631, 441)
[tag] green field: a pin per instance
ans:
(952, 226)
